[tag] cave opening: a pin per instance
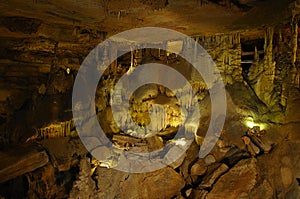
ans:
(252, 51)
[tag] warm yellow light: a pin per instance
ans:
(68, 70)
(250, 123)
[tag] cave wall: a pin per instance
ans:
(46, 57)
(38, 67)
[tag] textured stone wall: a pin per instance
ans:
(38, 66)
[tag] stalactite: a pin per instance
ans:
(113, 51)
(268, 46)
(56, 130)
(158, 118)
(290, 77)
(294, 38)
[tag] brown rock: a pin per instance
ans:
(199, 194)
(62, 151)
(244, 195)
(199, 168)
(262, 143)
(241, 178)
(163, 183)
(263, 191)
(254, 148)
(286, 161)
(154, 143)
(123, 139)
(42, 183)
(210, 179)
(209, 159)
(192, 154)
(286, 176)
(188, 192)
(16, 161)
(246, 140)
(85, 186)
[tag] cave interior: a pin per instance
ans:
(254, 45)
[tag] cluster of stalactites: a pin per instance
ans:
(61, 129)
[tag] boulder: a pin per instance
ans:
(238, 180)
(163, 183)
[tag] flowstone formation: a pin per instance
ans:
(257, 154)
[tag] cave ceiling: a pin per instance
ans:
(189, 17)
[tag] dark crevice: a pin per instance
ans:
(21, 24)
(229, 3)
(249, 45)
(15, 188)
(177, 170)
(245, 70)
(233, 156)
(184, 189)
(174, 197)
(69, 177)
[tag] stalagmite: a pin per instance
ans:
(256, 56)
(264, 85)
